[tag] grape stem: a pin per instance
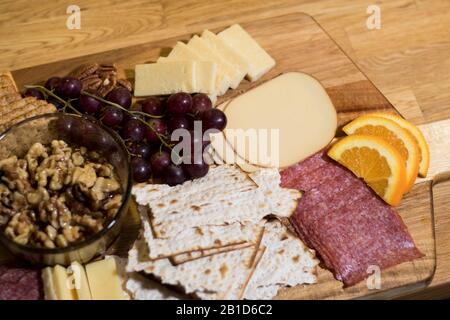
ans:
(47, 93)
(160, 137)
(66, 104)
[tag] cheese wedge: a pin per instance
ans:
(81, 282)
(242, 43)
(296, 118)
(48, 284)
(62, 284)
(104, 280)
(164, 78)
(226, 72)
(228, 54)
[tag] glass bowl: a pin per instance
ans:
(77, 131)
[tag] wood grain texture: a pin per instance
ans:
(407, 58)
(352, 94)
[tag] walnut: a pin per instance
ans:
(55, 195)
(36, 151)
(85, 176)
(103, 186)
(77, 159)
(37, 196)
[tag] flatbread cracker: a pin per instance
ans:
(197, 238)
(222, 275)
(286, 262)
(224, 196)
(193, 255)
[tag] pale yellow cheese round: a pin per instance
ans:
(294, 103)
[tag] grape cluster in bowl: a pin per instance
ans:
(145, 127)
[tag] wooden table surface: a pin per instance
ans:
(407, 58)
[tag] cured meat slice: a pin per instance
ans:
(348, 225)
(17, 283)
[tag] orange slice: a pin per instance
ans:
(376, 161)
(393, 134)
(424, 155)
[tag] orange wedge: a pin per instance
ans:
(424, 156)
(374, 160)
(393, 134)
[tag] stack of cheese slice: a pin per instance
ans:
(207, 236)
(208, 64)
(99, 280)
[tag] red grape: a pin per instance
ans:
(153, 106)
(214, 119)
(120, 96)
(69, 87)
(179, 122)
(200, 103)
(174, 175)
(133, 130)
(159, 127)
(34, 92)
(160, 161)
(141, 169)
(89, 104)
(112, 116)
(142, 150)
(64, 125)
(196, 170)
(179, 103)
(53, 83)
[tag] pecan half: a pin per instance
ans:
(85, 70)
(125, 83)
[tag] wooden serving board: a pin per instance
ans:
(298, 43)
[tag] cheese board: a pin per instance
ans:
(297, 43)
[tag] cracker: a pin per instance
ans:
(286, 262)
(196, 239)
(223, 275)
(224, 196)
(7, 80)
(23, 109)
(193, 255)
(138, 287)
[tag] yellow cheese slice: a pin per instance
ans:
(164, 78)
(225, 72)
(104, 280)
(293, 104)
(241, 42)
(229, 55)
(48, 284)
(81, 283)
(63, 285)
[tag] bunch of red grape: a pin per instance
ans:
(147, 126)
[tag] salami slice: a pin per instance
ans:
(347, 224)
(18, 283)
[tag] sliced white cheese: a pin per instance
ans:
(104, 280)
(48, 284)
(164, 78)
(225, 71)
(63, 285)
(229, 55)
(205, 71)
(258, 59)
(206, 75)
(81, 282)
